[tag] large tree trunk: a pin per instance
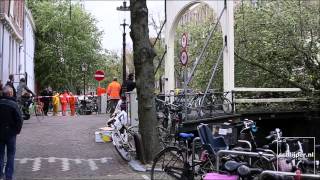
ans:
(143, 55)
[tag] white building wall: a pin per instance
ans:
(28, 50)
(1, 46)
(6, 55)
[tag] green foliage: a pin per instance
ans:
(197, 33)
(64, 40)
(277, 44)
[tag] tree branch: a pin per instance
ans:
(282, 77)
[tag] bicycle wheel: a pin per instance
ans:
(226, 105)
(130, 146)
(39, 113)
(263, 164)
(165, 138)
(125, 146)
(170, 164)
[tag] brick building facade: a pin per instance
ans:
(13, 15)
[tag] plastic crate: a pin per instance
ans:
(216, 176)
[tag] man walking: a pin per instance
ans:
(46, 96)
(10, 126)
(113, 92)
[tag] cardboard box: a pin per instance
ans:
(103, 135)
(98, 137)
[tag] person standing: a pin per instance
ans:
(55, 102)
(72, 103)
(130, 84)
(45, 99)
(10, 125)
(113, 91)
(1, 87)
(10, 83)
(64, 102)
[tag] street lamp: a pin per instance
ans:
(84, 68)
(124, 7)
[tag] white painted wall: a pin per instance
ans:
(6, 55)
(1, 45)
(28, 52)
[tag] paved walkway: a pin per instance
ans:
(64, 148)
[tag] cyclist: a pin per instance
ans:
(23, 93)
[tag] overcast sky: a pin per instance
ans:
(109, 20)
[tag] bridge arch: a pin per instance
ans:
(175, 10)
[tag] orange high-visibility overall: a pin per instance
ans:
(64, 102)
(72, 103)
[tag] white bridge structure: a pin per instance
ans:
(224, 9)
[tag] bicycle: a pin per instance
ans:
(181, 162)
(174, 162)
(215, 102)
(38, 109)
(169, 119)
(123, 138)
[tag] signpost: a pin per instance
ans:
(184, 41)
(184, 62)
(102, 99)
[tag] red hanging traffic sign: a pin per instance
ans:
(184, 40)
(184, 57)
(99, 75)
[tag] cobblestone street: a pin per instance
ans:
(64, 148)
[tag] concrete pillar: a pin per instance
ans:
(228, 54)
(169, 67)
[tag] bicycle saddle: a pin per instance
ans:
(232, 166)
(186, 135)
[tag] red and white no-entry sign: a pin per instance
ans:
(184, 40)
(99, 75)
(184, 57)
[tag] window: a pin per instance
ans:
(10, 54)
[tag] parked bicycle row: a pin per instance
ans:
(212, 155)
(199, 104)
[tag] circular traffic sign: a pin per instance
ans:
(184, 57)
(184, 40)
(99, 75)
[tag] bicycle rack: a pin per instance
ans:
(248, 144)
(264, 174)
(250, 154)
(193, 151)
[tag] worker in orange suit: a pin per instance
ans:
(64, 102)
(101, 91)
(113, 91)
(72, 103)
